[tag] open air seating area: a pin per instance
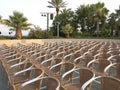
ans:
(61, 65)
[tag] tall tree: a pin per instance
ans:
(118, 20)
(99, 13)
(18, 22)
(112, 22)
(57, 4)
(63, 18)
(82, 17)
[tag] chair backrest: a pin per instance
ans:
(38, 73)
(67, 68)
(109, 83)
(114, 70)
(103, 64)
(118, 70)
(88, 58)
(57, 60)
(85, 75)
(104, 83)
(35, 82)
(53, 84)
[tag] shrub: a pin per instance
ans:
(105, 33)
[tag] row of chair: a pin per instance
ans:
(73, 64)
(22, 73)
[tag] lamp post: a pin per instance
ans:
(58, 23)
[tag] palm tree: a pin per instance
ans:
(67, 30)
(118, 20)
(99, 13)
(112, 22)
(57, 4)
(18, 22)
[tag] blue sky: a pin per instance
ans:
(32, 8)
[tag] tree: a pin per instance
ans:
(81, 17)
(67, 30)
(112, 22)
(37, 33)
(118, 20)
(99, 13)
(17, 22)
(63, 18)
(57, 4)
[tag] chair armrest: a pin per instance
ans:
(96, 55)
(68, 55)
(22, 71)
(46, 60)
(89, 81)
(68, 72)
(6, 54)
(10, 56)
(60, 53)
(78, 58)
(109, 58)
(105, 70)
(41, 56)
(56, 65)
(30, 81)
(15, 65)
(35, 54)
(89, 63)
(14, 59)
(7, 49)
(86, 53)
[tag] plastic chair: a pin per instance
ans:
(59, 69)
(98, 66)
(83, 76)
(113, 70)
(26, 75)
(102, 83)
(46, 83)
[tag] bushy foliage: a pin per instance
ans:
(67, 30)
(105, 33)
(38, 33)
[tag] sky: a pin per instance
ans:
(32, 9)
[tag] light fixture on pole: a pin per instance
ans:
(47, 14)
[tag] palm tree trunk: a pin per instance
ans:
(18, 33)
(68, 35)
(57, 10)
(97, 27)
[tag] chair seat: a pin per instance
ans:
(20, 79)
(72, 87)
(29, 87)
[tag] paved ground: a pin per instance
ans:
(3, 80)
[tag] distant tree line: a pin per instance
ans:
(86, 20)
(91, 19)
